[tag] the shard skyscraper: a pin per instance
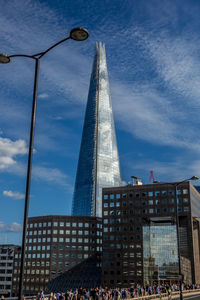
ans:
(98, 164)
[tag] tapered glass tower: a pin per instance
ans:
(98, 164)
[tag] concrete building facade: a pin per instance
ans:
(7, 253)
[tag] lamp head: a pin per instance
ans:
(4, 58)
(79, 34)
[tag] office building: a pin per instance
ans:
(98, 164)
(54, 245)
(7, 253)
(140, 234)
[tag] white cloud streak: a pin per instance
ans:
(14, 195)
(52, 175)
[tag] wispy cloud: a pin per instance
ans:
(172, 170)
(52, 175)
(2, 225)
(13, 227)
(14, 195)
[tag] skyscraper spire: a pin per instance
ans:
(98, 164)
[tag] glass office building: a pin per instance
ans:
(160, 253)
(98, 164)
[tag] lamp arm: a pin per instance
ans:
(41, 54)
(22, 55)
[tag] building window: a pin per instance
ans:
(150, 194)
(61, 224)
(157, 193)
(106, 204)
(80, 224)
(185, 191)
(150, 202)
(117, 196)
(105, 197)
(55, 223)
(171, 192)
(185, 200)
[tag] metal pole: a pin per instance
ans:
(28, 180)
(178, 246)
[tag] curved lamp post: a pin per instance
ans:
(176, 184)
(77, 34)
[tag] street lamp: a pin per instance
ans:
(176, 184)
(77, 34)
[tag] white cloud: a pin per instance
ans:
(9, 149)
(13, 227)
(43, 96)
(14, 195)
(2, 225)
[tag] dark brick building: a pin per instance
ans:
(140, 238)
(56, 244)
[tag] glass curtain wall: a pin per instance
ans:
(160, 253)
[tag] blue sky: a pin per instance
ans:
(153, 57)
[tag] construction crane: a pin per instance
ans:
(151, 177)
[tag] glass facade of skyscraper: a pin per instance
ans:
(160, 253)
(98, 164)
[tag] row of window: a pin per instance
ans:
(62, 224)
(62, 240)
(127, 254)
(163, 201)
(61, 231)
(3, 271)
(145, 194)
(146, 211)
(5, 287)
(119, 246)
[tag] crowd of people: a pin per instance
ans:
(114, 294)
